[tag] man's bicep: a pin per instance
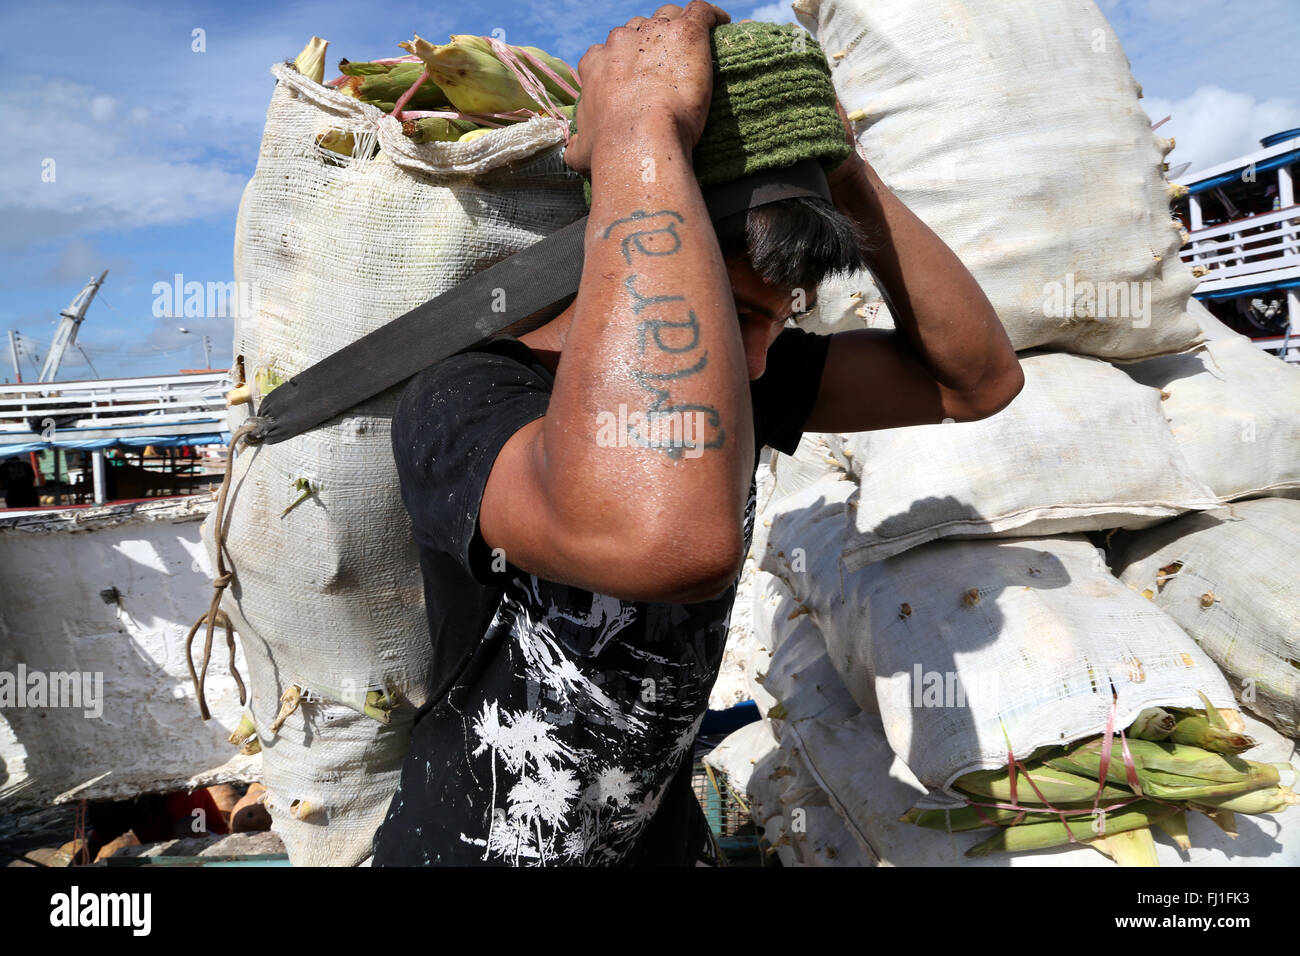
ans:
(873, 379)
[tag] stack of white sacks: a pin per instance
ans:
(1121, 536)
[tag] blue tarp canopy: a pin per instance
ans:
(131, 441)
(1273, 162)
(1249, 290)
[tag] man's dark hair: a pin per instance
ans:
(795, 243)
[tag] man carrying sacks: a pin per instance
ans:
(583, 495)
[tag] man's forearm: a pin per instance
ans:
(655, 333)
(936, 303)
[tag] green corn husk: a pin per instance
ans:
(1267, 800)
(561, 69)
(383, 90)
(380, 705)
(365, 68)
(244, 730)
(1130, 848)
(470, 74)
(1198, 731)
(1040, 836)
(1154, 723)
(1057, 785)
(1165, 786)
(558, 66)
(1176, 827)
(1181, 759)
(960, 819)
(436, 129)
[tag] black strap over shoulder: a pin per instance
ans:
(534, 280)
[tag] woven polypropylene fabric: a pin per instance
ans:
(823, 733)
(1244, 558)
(1082, 448)
(1013, 129)
(1234, 410)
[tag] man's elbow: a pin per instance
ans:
(694, 568)
(995, 394)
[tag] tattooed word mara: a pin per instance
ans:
(669, 337)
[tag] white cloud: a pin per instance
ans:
(1214, 125)
(774, 13)
(102, 107)
(79, 175)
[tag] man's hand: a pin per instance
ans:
(649, 70)
(852, 165)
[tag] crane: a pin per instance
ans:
(66, 334)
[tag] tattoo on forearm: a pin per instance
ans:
(640, 237)
(655, 234)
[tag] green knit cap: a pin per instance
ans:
(773, 105)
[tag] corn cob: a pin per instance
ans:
(383, 90)
(337, 141)
(1270, 800)
(379, 705)
(1154, 723)
(1163, 786)
(245, 729)
(561, 69)
(1039, 836)
(371, 68)
(959, 819)
(1197, 731)
(1178, 759)
(311, 61)
(474, 80)
(436, 129)
(1057, 785)
(473, 135)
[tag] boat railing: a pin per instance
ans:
(1245, 251)
(168, 403)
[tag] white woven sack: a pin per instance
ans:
(1235, 590)
(1082, 448)
(797, 671)
(1013, 129)
(846, 753)
(966, 645)
(1235, 411)
(329, 596)
(732, 685)
(785, 800)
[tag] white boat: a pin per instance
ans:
(1244, 242)
(97, 598)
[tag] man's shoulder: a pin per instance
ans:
(501, 352)
(458, 407)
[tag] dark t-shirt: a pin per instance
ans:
(560, 723)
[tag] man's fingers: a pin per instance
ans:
(707, 13)
(670, 10)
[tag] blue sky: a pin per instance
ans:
(152, 142)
